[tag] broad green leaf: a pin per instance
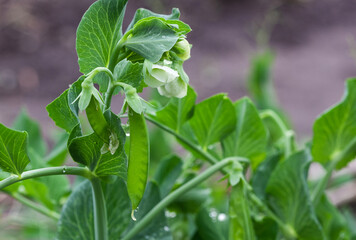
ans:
(61, 114)
(167, 173)
(39, 191)
(113, 164)
(63, 110)
(177, 111)
(129, 73)
(333, 222)
(179, 27)
(97, 120)
(98, 33)
(150, 38)
(59, 152)
(138, 158)
(142, 13)
(262, 174)
(77, 217)
(239, 212)
(265, 228)
(86, 150)
(250, 136)
(335, 131)
(55, 187)
(24, 123)
(214, 118)
(13, 153)
(289, 197)
(158, 228)
(91, 151)
(210, 229)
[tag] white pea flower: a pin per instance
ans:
(160, 75)
(177, 88)
(182, 49)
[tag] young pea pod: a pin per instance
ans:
(97, 120)
(139, 154)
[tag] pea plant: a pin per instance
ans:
(239, 173)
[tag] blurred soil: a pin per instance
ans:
(311, 40)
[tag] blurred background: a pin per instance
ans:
(309, 49)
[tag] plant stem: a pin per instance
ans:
(39, 208)
(108, 96)
(285, 228)
(211, 159)
(41, 172)
(174, 195)
(100, 214)
(335, 159)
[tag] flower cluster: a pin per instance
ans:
(167, 75)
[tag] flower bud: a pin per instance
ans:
(160, 75)
(182, 49)
(177, 88)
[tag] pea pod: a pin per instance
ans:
(138, 158)
(97, 120)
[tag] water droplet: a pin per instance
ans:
(213, 213)
(64, 170)
(127, 134)
(170, 214)
(166, 228)
(133, 215)
(222, 217)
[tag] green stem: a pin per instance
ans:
(39, 208)
(149, 217)
(285, 228)
(321, 185)
(41, 172)
(288, 134)
(99, 70)
(211, 159)
(100, 213)
(108, 96)
(335, 159)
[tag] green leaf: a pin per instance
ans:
(262, 174)
(177, 111)
(138, 158)
(167, 173)
(98, 33)
(214, 118)
(158, 228)
(113, 164)
(335, 131)
(77, 217)
(209, 229)
(129, 73)
(150, 38)
(240, 217)
(39, 191)
(142, 13)
(59, 152)
(63, 110)
(86, 149)
(13, 154)
(289, 197)
(333, 222)
(55, 187)
(24, 123)
(250, 136)
(91, 151)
